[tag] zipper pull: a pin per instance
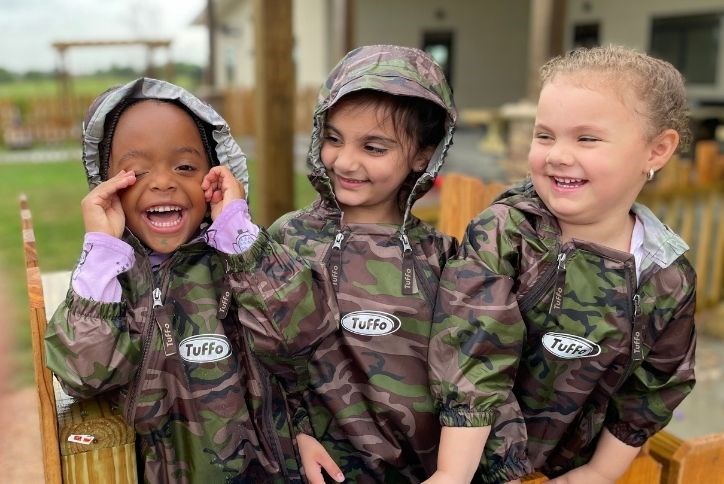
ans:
(163, 321)
(224, 301)
(334, 263)
(559, 286)
(637, 332)
(157, 303)
(408, 267)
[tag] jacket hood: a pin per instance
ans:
(225, 150)
(396, 70)
(661, 245)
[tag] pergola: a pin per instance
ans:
(151, 46)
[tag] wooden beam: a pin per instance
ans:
(272, 195)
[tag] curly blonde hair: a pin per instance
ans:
(656, 83)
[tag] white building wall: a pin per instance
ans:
(628, 23)
(490, 41)
(310, 23)
(235, 45)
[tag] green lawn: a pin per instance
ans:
(80, 86)
(54, 191)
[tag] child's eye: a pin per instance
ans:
(588, 139)
(140, 173)
(543, 136)
(331, 138)
(186, 168)
(375, 150)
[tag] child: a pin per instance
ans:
(163, 307)
(382, 127)
(567, 292)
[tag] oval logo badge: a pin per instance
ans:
(568, 346)
(204, 348)
(370, 323)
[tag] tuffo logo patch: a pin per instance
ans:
(569, 347)
(204, 348)
(370, 323)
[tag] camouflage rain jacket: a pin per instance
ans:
(197, 395)
(568, 329)
(370, 403)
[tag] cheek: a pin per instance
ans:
(326, 155)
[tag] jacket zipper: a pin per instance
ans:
(269, 420)
(408, 266)
(545, 281)
(333, 260)
(559, 286)
(637, 332)
(146, 344)
(417, 270)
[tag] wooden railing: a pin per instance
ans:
(110, 457)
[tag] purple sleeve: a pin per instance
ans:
(102, 259)
(233, 232)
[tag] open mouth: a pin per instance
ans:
(164, 216)
(569, 182)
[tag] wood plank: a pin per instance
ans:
(43, 378)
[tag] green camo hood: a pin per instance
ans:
(225, 150)
(397, 70)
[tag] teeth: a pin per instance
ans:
(568, 180)
(164, 208)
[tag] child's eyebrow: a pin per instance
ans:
(188, 149)
(131, 154)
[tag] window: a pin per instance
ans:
(690, 43)
(440, 47)
(585, 35)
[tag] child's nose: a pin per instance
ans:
(163, 181)
(345, 160)
(559, 155)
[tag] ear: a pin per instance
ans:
(422, 159)
(662, 149)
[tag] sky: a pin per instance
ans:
(29, 27)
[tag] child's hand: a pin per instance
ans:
(220, 188)
(315, 458)
(101, 208)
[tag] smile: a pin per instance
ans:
(164, 216)
(569, 182)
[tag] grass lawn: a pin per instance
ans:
(54, 192)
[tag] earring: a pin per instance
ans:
(650, 174)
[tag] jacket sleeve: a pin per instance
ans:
(478, 332)
(646, 400)
(286, 302)
(89, 347)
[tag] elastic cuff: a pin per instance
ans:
(628, 435)
(453, 417)
(81, 306)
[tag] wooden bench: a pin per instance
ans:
(111, 457)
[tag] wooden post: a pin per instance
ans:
(545, 38)
(272, 195)
(43, 378)
(211, 68)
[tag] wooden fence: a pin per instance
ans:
(51, 119)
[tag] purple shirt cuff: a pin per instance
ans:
(104, 257)
(233, 232)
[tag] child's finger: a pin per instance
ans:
(331, 467)
(113, 185)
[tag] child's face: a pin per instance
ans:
(366, 162)
(589, 152)
(162, 145)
